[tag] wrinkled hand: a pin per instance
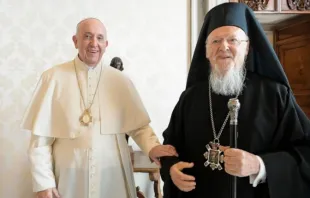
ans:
(48, 193)
(160, 151)
(184, 182)
(239, 162)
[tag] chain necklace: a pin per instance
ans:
(216, 137)
(86, 117)
(214, 155)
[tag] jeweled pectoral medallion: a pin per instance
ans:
(214, 156)
(86, 118)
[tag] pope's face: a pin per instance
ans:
(91, 41)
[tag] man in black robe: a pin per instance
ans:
(233, 59)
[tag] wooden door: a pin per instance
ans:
(292, 44)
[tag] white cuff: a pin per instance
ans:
(42, 168)
(261, 176)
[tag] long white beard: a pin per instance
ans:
(230, 84)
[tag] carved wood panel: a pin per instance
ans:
(261, 5)
(295, 58)
(300, 5)
(277, 6)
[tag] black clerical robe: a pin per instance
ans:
(269, 126)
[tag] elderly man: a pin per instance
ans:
(79, 115)
(233, 59)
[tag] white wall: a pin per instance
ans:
(150, 36)
(198, 10)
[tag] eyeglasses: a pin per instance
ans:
(230, 40)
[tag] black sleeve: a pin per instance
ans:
(173, 135)
(288, 167)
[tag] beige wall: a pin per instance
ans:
(269, 35)
(150, 36)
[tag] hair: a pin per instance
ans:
(90, 18)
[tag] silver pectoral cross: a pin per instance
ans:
(214, 156)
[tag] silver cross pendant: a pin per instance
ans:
(214, 156)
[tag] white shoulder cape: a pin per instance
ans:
(55, 109)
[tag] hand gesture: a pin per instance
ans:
(161, 151)
(184, 182)
(240, 163)
(48, 193)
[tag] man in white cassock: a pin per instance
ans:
(78, 116)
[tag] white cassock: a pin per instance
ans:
(85, 161)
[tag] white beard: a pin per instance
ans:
(231, 84)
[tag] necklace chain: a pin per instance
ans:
(217, 137)
(81, 89)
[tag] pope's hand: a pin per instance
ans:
(161, 151)
(48, 193)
